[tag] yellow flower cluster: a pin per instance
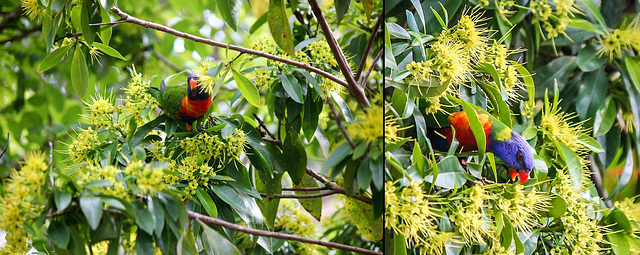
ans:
(409, 213)
(420, 71)
(553, 18)
(137, 98)
(83, 145)
(17, 204)
(204, 145)
(101, 111)
(32, 8)
(235, 144)
(630, 209)
(470, 220)
(330, 85)
(626, 38)
(262, 77)
(294, 219)
(523, 210)
(150, 180)
(555, 124)
(321, 53)
(497, 55)
(582, 233)
(206, 81)
(369, 125)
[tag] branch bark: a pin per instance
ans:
(331, 185)
(363, 61)
(338, 118)
(356, 91)
(260, 232)
(124, 17)
(303, 196)
(375, 60)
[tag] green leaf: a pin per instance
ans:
(144, 219)
(279, 26)
(62, 199)
(559, 69)
(59, 234)
(620, 243)
(572, 163)
(362, 216)
(292, 87)
(144, 242)
(105, 32)
(396, 31)
(341, 8)
(595, 12)
(590, 143)
(207, 202)
(79, 73)
(605, 117)
(557, 208)
(476, 128)
(229, 11)
(144, 130)
(451, 175)
(108, 50)
(593, 91)
(296, 162)
(53, 58)
(619, 221)
(229, 196)
(248, 89)
(339, 154)
(270, 185)
(85, 14)
(216, 244)
(634, 71)
(589, 59)
(91, 207)
(312, 205)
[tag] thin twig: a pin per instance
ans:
(107, 23)
(302, 196)
(363, 61)
(69, 35)
(130, 19)
(264, 126)
(356, 91)
(373, 64)
(166, 61)
(14, 14)
(596, 178)
(260, 232)
(273, 141)
(305, 189)
(7, 146)
(24, 34)
(331, 185)
(338, 118)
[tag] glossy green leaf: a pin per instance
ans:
(62, 199)
(634, 71)
(342, 6)
(296, 162)
(229, 11)
(557, 70)
(268, 205)
(339, 154)
(312, 205)
(605, 117)
(396, 31)
(279, 26)
(292, 87)
(572, 162)
(229, 196)
(79, 73)
(207, 202)
(590, 143)
(87, 32)
(144, 219)
(589, 59)
(92, 209)
(593, 91)
(557, 208)
(108, 50)
(451, 175)
(216, 244)
(248, 89)
(59, 234)
(621, 244)
(53, 58)
(476, 128)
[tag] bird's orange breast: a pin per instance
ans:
(460, 122)
(194, 108)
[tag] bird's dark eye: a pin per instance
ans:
(519, 156)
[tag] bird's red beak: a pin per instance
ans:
(524, 176)
(194, 84)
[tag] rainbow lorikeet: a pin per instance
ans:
(503, 142)
(185, 104)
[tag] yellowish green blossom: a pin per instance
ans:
(206, 81)
(523, 209)
(321, 53)
(83, 145)
(262, 77)
(101, 111)
(409, 212)
(627, 38)
(32, 8)
(294, 219)
(369, 125)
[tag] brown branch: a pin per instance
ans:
(7, 146)
(366, 77)
(302, 196)
(331, 185)
(356, 91)
(264, 126)
(363, 61)
(166, 61)
(24, 34)
(305, 189)
(130, 19)
(107, 23)
(69, 35)
(273, 141)
(338, 118)
(260, 232)
(14, 14)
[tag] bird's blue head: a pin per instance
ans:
(516, 154)
(196, 92)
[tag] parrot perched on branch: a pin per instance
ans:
(185, 104)
(503, 142)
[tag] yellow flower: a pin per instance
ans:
(32, 8)
(472, 224)
(262, 77)
(616, 42)
(150, 180)
(101, 111)
(471, 32)
(369, 125)
(330, 85)
(205, 80)
(523, 209)
(99, 248)
(82, 146)
(235, 144)
(408, 212)
(451, 61)
(295, 220)
(555, 124)
(95, 54)
(321, 53)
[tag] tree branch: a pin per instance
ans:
(305, 189)
(7, 146)
(356, 91)
(375, 60)
(14, 14)
(338, 118)
(263, 126)
(331, 185)
(363, 61)
(24, 34)
(166, 61)
(260, 232)
(124, 17)
(302, 196)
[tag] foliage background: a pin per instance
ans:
(49, 109)
(578, 109)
